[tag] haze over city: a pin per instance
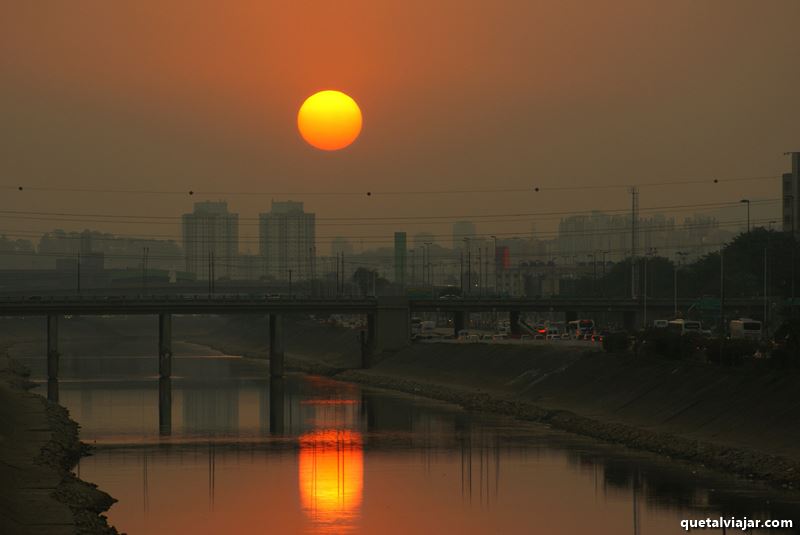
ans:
(527, 266)
(514, 95)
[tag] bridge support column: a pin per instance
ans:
(276, 345)
(276, 404)
(513, 322)
(392, 325)
(629, 320)
(164, 346)
(52, 347)
(459, 321)
(164, 406)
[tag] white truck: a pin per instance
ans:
(745, 329)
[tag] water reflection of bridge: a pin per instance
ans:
(332, 428)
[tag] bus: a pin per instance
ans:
(580, 329)
(745, 329)
(685, 327)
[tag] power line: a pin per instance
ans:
(508, 217)
(22, 187)
(382, 238)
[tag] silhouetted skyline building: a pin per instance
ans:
(287, 240)
(791, 196)
(211, 240)
(400, 255)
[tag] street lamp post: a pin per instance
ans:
(648, 254)
(747, 201)
(681, 254)
(427, 266)
(469, 265)
(496, 262)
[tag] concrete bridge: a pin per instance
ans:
(388, 318)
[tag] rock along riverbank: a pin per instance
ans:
(39, 446)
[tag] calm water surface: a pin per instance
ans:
(220, 449)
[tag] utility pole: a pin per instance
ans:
(766, 306)
(79, 273)
(681, 254)
(649, 253)
(145, 253)
(604, 273)
(213, 273)
(480, 273)
(461, 270)
(496, 264)
(413, 267)
(634, 191)
(337, 274)
(722, 290)
(747, 201)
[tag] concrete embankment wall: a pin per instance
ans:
(737, 407)
(753, 409)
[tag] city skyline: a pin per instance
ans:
(520, 96)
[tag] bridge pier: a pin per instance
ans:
(164, 406)
(52, 347)
(513, 322)
(164, 346)
(392, 325)
(276, 345)
(459, 321)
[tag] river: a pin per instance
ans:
(221, 449)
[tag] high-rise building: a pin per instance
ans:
(211, 240)
(461, 230)
(791, 197)
(400, 252)
(287, 241)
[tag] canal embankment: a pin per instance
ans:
(39, 446)
(740, 420)
(736, 419)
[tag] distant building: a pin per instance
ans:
(287, 241)
(461, 230)
(400, 252)
(791, 197)
(211, 240)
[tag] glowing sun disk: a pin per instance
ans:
(329, 120)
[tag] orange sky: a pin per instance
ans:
(455, 95)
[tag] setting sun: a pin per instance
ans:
(329, 120)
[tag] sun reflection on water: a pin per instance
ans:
(331, 476)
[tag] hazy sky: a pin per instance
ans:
(179, 95)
